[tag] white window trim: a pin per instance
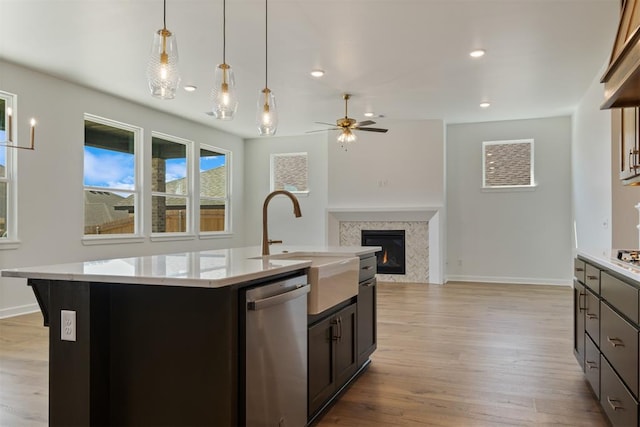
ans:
(137, 236)
(11, 177)
(272, 183)
(508, 188)
(228, 223)
(189, 234)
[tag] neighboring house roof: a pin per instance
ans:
(212, 184)
(99, 208)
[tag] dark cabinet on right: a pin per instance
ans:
(625, 136)
(579, 295)
(606, 338)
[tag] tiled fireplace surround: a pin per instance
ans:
(422, 226)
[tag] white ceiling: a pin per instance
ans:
(405, 59)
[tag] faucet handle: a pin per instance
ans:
(271, 242)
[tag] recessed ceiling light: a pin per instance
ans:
(317, 73)
(485, 105)
(477, 53)
(190, 88)
(368, 114)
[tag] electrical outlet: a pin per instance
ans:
(67, 325)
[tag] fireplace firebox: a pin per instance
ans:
(391, 259)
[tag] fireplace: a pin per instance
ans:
(391, 259)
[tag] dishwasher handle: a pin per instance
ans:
(260, 304)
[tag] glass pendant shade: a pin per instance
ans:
(225, 99)
(162, 71)
(267, 115)
(346, 137)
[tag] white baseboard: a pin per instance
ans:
(19, 310)
(510, 280)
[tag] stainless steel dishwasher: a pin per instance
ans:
(276, 354)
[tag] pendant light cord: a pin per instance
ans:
(224, 31)
(266, 45)
(164, 17)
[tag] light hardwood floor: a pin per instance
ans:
(456, 355)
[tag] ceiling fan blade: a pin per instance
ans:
(374, 130)
(364, 123)
(323, 123)
(321, 130)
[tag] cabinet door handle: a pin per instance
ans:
(616, 342)
(334, 330)
(592, 316)
(579, 269)
(615, 404)
(339, 328)
(580, 307)
(368, 283)
(590, 277)
(367, 267)
(591, 365)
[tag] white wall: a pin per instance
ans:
(591, 172)
(394, 172)
(401, 168)
(50, 192)
(513, 237)
(306, 230)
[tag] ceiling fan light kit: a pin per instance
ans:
(225, 100)
(346, 125)
(162, 70)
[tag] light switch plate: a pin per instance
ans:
(67, 325)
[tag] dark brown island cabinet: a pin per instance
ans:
(170, 355)
(606, 337)
(341, 340)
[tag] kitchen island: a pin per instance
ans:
(157, 340)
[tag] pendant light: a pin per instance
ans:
(267, 115)
(225, 100)
(162, 71)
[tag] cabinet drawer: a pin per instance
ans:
(579, 269)
(619, 405)
(592, 366)
(620, 295)
(592, 278)
(592, 316)
(619, 343)
(367, 268)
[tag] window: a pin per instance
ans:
(290, 172)
(111, 188)
(214, 189)
(170, 184)
(8, 216)
(507, 164)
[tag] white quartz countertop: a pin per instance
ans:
(213, 269)
(612, 263)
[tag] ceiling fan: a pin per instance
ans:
(347, 125)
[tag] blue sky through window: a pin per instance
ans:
(113, 169)
(107, 168)
(211, 162)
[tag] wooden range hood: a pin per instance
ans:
(622, 78)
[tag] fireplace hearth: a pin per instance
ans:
(391, 259)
